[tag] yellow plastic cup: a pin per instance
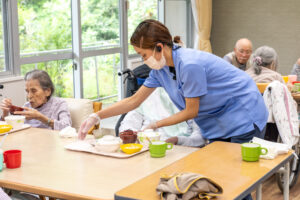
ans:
(285, 78)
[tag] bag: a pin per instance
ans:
(187, 186)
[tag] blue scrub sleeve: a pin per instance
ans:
(151, 81)
(194, 83)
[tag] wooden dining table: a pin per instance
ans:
(221, 162)
(50, 169)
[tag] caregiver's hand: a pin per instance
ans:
(92, 120)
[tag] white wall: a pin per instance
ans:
(14, 88)
(175, 18)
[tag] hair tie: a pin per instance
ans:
(258, 60)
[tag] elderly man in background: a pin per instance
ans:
(240, 57)
(296, 69)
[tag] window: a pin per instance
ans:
(44, 25)
(100, 76)
(139, 11)
(41, 38)
(100, 23)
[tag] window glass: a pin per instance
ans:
(100, 76)
(100, 24)
(61, 73)
(44, 25)
(2, 56)
(139, 11)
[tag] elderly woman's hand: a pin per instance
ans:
(30, 114)
(5, 106)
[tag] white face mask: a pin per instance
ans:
(154, 64)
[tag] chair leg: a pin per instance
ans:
(42, 197)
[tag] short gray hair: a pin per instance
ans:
(264, 56)
(42, 77)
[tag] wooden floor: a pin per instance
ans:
(270, 190)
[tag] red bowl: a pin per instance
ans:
(295, 82)
(13, 108)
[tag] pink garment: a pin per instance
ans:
(56, 109)
(266, 75)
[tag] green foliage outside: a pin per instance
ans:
(46, 25)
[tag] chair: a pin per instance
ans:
(262, 86)
(80, 109)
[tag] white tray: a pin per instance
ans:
(86, 146)
(25, 126)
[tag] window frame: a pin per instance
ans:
(14, 60)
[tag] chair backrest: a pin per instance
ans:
(262, 86)
(80, 109)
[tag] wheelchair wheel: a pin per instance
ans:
(294, 170)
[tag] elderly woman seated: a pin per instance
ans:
(264, 65)
(158, 106)
(42, 110)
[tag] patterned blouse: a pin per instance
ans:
(55, 109)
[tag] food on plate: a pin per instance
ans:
(13, 108)
(131, 148)
(128, 136)
(108, 143)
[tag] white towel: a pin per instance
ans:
(68, 132)
(274, 148)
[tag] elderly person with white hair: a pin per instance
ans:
(264, 65)
(42, 110)
(240, 56)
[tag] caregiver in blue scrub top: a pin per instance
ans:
(223, 100)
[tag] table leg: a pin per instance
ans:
(286, 188)
(259, 192)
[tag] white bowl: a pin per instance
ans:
(152, 135)
(17, 121)
(108, 144)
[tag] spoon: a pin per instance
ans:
(3, 139)
(149, 140)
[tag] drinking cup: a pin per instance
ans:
(292, 78)
(158, 148)
(285, 78)
(12, 158)
(252, 151)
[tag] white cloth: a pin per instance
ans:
(159, 106)
(68, 132)
(274, 148)
(283, 111)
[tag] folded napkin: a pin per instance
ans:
(187, 186)
(68, 132)
(274, 148)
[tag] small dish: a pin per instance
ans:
(108, 144)
(5, 128)
(131, 148)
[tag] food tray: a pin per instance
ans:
(87, 146)
(25, 126)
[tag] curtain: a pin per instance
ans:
(202, 13)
